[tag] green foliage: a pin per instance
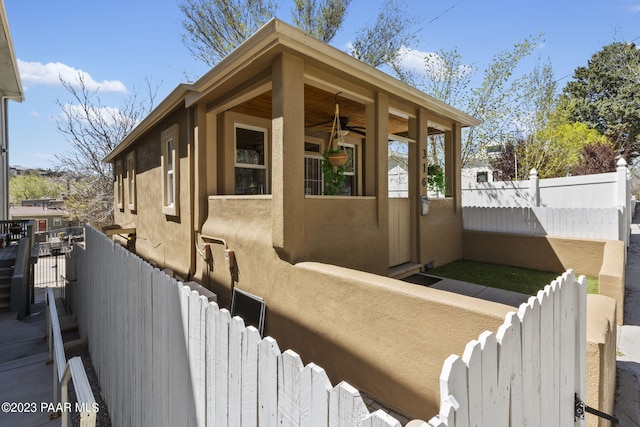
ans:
(435, 178)
(320, 19)
(606, 94)
(448, 79)
(32, 186)
(214, 28)
(515, 279)
(333, 175)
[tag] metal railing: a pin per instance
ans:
(64, 371)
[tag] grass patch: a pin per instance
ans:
(515, 279)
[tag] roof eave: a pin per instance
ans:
(173, 100)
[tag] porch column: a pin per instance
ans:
(419, 160)
(382, 160)
(453, 164)
(287, 159)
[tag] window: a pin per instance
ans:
(312, 175)
(119, 185)
(251, 160)
(131, 180)
(313, 182)
(170, 168)
(482, 176)
(350, 185)
(57, 222)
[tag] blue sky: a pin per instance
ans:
(117, 44)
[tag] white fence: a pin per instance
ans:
(167, 357)
(529, 372)
(590, 206)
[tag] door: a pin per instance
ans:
(399, 207)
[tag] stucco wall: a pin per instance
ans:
(601, 357)
(386, 337)
(165, 240)
(441, 233)
(604, 259)
(540, 253)
(344, 231)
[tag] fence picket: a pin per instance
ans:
(236, 329)
(314, 398)
(180, 378)
(268, 355)
(289, 368)
(454, 382)
(346, 408)
(196, 353)
(212, 315)
(509, 407)
(472, 357)
(250, 342)
(222, 367)
(568, 348)
(547, 383)
(380, 418)
(489, 346)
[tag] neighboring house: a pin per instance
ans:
(10, 88)
(222, 184)
(49, 214)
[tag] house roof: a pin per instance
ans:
(35, 212)
(10, 84)
(258, 50)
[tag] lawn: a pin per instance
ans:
(514, 279)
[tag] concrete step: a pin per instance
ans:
(4, 306)
(6, 272)
(404, 270)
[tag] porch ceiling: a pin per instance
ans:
(319, 108)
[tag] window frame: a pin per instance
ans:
(119, 184)
(170, 161)
(265, 164)
(131, 181)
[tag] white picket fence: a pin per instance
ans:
(591, 206)
(167, 357)
(529, 372)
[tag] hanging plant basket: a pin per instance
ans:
(338, 158)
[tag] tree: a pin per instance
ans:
(32, 186)
(448, 79)
(214, 28)
(320, 18)
(596, 158)
(380, 43)
(555, 151)
(93, 132)
(606, 94)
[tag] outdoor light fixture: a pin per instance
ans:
(424, 205)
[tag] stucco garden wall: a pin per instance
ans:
(598, 258)
(386, 337)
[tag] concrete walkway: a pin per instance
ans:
(25, 377)
(627, 408)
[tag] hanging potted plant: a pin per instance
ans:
(334, 158)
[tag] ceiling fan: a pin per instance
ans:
(344, 125)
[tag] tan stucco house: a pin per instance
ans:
(222, 184)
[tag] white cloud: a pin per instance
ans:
(107, 115)
(36, 73)
(634, 9)
(429, 64)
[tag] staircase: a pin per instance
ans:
(5, 288)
